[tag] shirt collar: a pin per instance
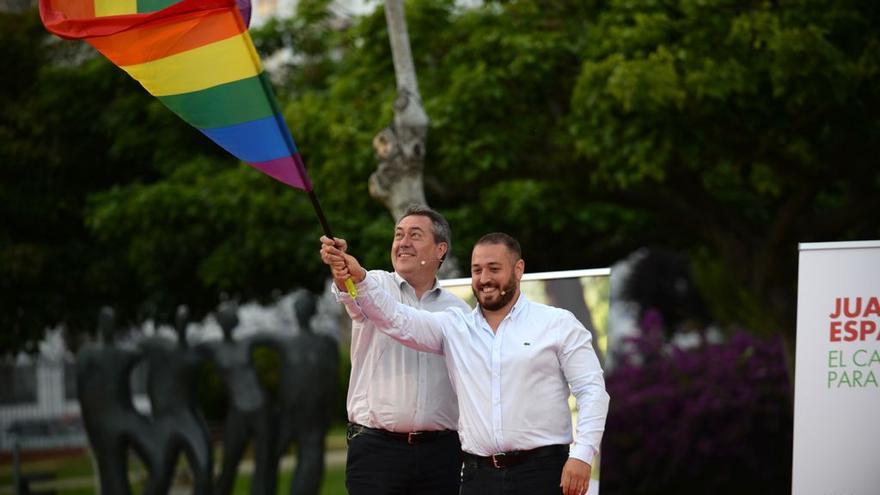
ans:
(521, 302)
(402, 281)
(518, 306)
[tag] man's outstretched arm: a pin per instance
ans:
(418, 329)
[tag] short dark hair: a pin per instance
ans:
(439, 226)
(502, 238)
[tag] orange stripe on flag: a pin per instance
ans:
(169, 36)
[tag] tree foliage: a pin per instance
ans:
(727, 131)
(743, 127)
(66, 129)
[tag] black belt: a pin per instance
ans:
(507, 459)
(411, 438)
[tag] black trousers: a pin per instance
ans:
(379, 465)
(535, 476)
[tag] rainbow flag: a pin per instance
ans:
(195, 56)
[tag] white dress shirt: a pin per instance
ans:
(393, 387)
(513, 385)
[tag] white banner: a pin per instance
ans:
(837, 371)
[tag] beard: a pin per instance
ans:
(509, 290)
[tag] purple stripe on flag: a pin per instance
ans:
(288, 169)
(244, 8)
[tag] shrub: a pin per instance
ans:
(712, 419)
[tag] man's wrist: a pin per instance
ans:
(583, 453)
(364, 283)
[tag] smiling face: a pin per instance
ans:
(414, 249)
(495, 275)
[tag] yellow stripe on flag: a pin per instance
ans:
(115, 7)
(204, 67)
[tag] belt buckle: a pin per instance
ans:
(496, 458)
(411, 436)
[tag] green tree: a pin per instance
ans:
(725, 130)
(54, 148)
(740, 129)
(71, 125)
(728, 131)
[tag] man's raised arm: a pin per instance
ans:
(414, 328)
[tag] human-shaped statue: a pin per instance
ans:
(103, 373)
(249, 415)
(307, 389)
(180, 426)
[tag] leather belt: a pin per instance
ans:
(411, 438)
(506, 459)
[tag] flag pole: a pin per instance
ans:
(301, 171)
(320, 212)
(349, 283)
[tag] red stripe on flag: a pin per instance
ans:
(72, 9)
(65, 23)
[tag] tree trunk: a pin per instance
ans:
(400, 147)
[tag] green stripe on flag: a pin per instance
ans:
(223, 105)
(146, 6)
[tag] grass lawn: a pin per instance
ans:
(78, 471)
(73, 475)
(334, 483)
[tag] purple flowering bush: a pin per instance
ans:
(714, 419)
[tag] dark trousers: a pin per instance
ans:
(379, 465)
(537, 476)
